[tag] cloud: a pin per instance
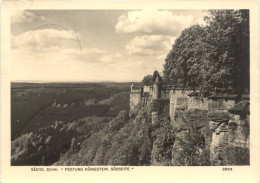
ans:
(84, 51)
(153, 21)
(20, 16)
(149, 44)
(161, 57)
(45, 40)
(53, 44)
(112, 57)
(89, 50)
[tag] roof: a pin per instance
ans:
(221, 96)
(182, 88)
(193, 94)
(226, 96)
(136, 88)
(241, 107)
(232, 96)
(157, 80)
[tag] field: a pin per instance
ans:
(36, 105)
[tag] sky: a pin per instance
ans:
(94, 45)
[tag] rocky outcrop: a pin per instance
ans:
(239, 141)
(230, 136)
(239, 131)
(218, 124)
(192, 138)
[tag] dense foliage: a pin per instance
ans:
(147, 80)
(46, 145)
(123, 141)
(215, 55)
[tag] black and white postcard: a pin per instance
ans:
(130, 91)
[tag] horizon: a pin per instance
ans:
(98, 81)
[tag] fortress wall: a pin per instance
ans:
(220, 104)
(198, 103)
(147, 89)
(135, 100)
(165, 94)
(158, 105)
(172, 106)
(178, 100)
(229, 137)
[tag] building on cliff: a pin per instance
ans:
(228, 116)
(156, 88)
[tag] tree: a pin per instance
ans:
(228, 34)
(215, 55)
(193, 153)
(147, 80)
(183, 63)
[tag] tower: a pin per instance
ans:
(157, 88)
(132, 87)
(156, 95)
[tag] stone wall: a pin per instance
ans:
(146, 99)
(135, 100)
(225, 129)
(158, 106)
(148, 89)
(229, 142)
(165, 94)
(198, 103)
(156, 92)
(220, 104)
(178, 100)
